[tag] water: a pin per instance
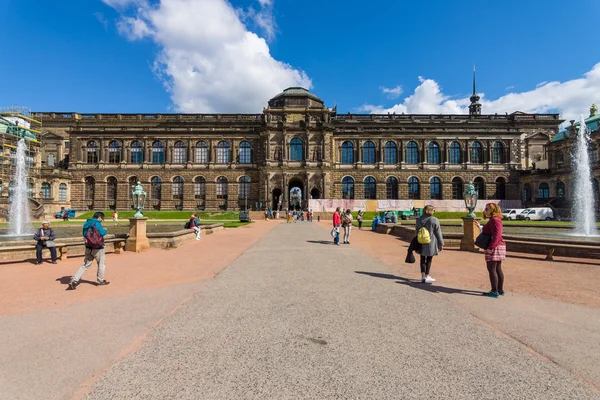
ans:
(19, 208)
(583, 194)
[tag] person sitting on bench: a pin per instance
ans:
(45, 238)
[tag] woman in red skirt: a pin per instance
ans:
(496, 251)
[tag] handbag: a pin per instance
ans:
(483, 241)
(410, 258)
(50, 243)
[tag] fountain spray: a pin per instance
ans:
(584, 204)
(19, 209)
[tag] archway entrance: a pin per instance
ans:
(315, 194)
(277, 199)
(295, 195)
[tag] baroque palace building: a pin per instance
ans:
(225, 161)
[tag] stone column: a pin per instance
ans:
(137, 240)
(470, 232)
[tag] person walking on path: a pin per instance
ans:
(65, 215)
(359, 218)
(115, 216)
(347, 224)
(435, 245)
(93, 234)
(336, 226)
(496, 250)
(45, 239)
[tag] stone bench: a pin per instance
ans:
(63, 248)
(548, 248)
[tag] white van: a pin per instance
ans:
(536, 214)
(511, 214)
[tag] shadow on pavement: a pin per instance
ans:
(321, 241)
(416, 283)
(66, 279)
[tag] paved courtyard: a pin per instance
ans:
(273, 310)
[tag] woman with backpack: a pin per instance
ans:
(429, 236)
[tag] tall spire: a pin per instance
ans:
(475, 106)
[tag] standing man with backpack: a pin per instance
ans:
(429, 236)
(93, 234)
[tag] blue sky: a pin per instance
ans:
(216, 56)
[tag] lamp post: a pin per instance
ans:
(470, 230)
(139, 199)
(470, 195)
(137, 240)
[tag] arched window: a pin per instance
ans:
(111, 188)
(244, 188)
(435, 188)
(137, 153)
(498, 153)
(158, 152)
(348, 153)
(245, 153)
(201, 156)
(348, 188)
(412, 153)
(480, 187)
(527, 192)
(92, 152)
(391, 153)
(414, 188)
(223, 153)
(90, 188)
(155, 188)
(391, 188)
(179, 153)
(62, 192)
(433, 153)
(114, 152)
(500, 189)
(543, 191)
(200, 188)
(476, 153)
(560, 189)
(177, 188)
(455, 153)
(369, 153)
(370, 188)
(46, 191)
(132, 184)
(222, 188)
(296, 147)
(457, 189)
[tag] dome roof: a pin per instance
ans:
(296, 96)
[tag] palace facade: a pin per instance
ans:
(225, 161)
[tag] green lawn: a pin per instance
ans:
(183, 215)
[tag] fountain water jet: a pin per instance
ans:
(583, 207)
(19, 208)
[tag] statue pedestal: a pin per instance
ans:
(137, 240)
(470, 233)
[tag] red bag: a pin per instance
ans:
(93, 239)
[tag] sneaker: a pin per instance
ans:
(423, 280)
(102, 283)
(501, 292)
(429, 279)
(73, 285)
(197, 238)
(491, 294)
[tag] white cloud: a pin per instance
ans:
(209, 61)
(571, 98)
(120, 4)
(509, 87)
(392, 93)
(102, 19)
